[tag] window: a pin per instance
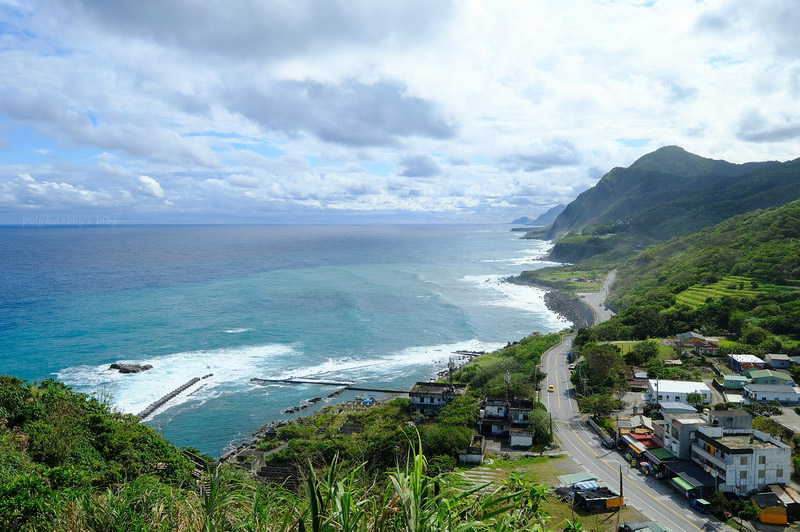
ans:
(743, 475)
(762, 474)
(779, 472)
(762, 460)
(743, 460)
(660, 397)
(677, 398)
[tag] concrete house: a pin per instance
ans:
(744, 460)
(736, 362)
(735, 382)
(777, 361)
(680, 431)
(769, 376)
(501, 417)
(433, 396)
(761, 393)
(707, 349)
(674, 391)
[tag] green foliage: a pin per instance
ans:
(696, 399)
(602, 369)
(643, 353)
(599, 405)
(486, 375)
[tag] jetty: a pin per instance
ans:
(174, 393)
(344, 384)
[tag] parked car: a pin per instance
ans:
(572, 367)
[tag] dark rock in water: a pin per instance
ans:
(130, 368)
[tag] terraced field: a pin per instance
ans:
(731, 285)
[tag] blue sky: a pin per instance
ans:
(348, 111)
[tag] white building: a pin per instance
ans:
(674, 391)
(433, 396)
(760, 393)
(744, 460)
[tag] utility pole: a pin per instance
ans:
(507, 378)
(551, 426)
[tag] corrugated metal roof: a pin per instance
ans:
(681, 483)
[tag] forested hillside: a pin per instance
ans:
(667, 193)
(741, 277)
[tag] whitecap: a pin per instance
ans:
(131, 393)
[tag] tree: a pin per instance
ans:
(696, 399)
(642, 353)
(601, 405)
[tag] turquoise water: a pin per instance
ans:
(381, 305)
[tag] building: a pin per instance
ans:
(743, 460)
(777, 361)
(737, 362)
(771, 509)
(707, 349)
(674, 391)
(769, 376)
(433, 396)
(761, 393)
(671, 407)
(736, 382)
(501, 417)
(689, 338)
(475, 452)
(679, 433)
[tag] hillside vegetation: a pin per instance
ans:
(667, 193)
(69, 463)
(741, 277)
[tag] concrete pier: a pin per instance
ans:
(161, 402)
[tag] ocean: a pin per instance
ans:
(382, 305)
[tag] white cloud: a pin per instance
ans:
(150, 187)
(469, 108)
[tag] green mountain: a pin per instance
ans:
(740, 277)
(667, 193)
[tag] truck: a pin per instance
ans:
(701, 505)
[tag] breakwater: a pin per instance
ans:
(161, 402)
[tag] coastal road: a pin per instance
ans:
(654, 498)
(596, 300)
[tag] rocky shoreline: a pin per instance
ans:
(566, 305)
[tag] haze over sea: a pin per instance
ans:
(382, 305)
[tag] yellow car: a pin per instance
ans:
(550, 389)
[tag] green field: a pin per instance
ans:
(665, 352)
(731, 285)
(565, 279)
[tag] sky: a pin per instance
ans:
(209, 111)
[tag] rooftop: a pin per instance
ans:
(673, 406)
(744, 441)
(775, 356)
(729, 413)
(766, 373)
(438, 387)
(746, 358)
(679, 386)
(774, 388)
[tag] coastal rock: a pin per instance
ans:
(130, 368)
(572, 309)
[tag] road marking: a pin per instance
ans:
(629, 480)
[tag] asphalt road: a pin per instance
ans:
(654, 498)
(596, 300)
